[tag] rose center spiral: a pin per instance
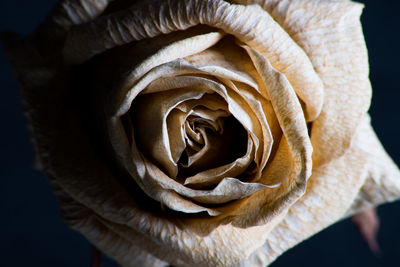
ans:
(187, 132)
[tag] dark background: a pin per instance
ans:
(33, 234)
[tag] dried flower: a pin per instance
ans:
(203, 132)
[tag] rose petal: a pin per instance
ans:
(150, 178)
(176, 133)
(145, 83)
(210, 101)
(173, 68)
(382, 182)
(75, 12)
(336, 185)
(247, 23)
(289, 113)
(120, 213)
(209, 107)
(252, 99)
(258, 105)
(238, 106)
(99, 232)
(215, 175)
(228, 61)
(236, 189)
(339, 56)
(218, 149)
(150, 122)
(229, 189)
(287, 108)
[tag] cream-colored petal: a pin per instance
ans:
(212, 117)
(150, 114)
(166, 54)
(219, 149)
(212, 149)
(382, 183)
(152, 179)
(215, 175)
(237, 105)
(75, 12)
(176, 133)
(179, 68)
(148, 231)
(228, 61)
(88, 181)
(152, 174)
(261, 207)
(120, 214)
(212, 107)
(211, 101)
(105, 238)
(174, 201)
(336, 185)
(195, 136)
(338, 53)
(288, 111)
(155, 183)
(121, 103)
(229, 189)
(84, 176)
(131, 243)
(246, 23)
(202, 156)
(135, 23)
(257, 105)
(143, 171)
(178, 125)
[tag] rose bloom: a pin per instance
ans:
(203, 132)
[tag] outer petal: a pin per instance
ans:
(331, 191)
(279, 56)
(246, 23)
(79, 172)
(288, 111)
(382, 183)
(99, 234)
(330, 33)
(74, 12)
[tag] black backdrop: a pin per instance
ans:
(32, 233)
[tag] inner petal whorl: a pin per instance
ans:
(150, 112)
(187, 131)
(220, 148)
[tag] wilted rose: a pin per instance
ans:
(200, 132)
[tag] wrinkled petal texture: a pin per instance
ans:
(223, 133)
(244, 78)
